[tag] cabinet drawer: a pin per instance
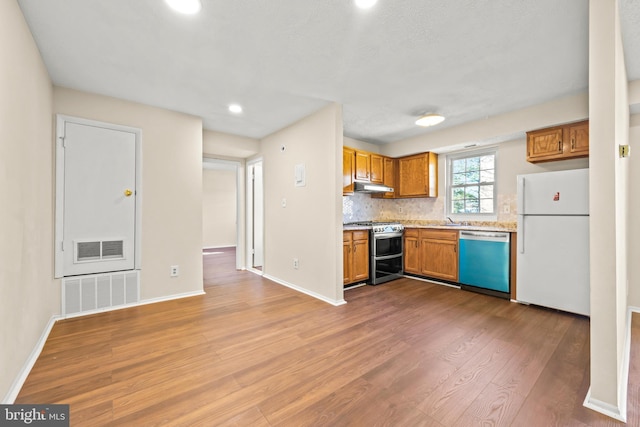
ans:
(430, 233)
(360, 234)
(411, 232)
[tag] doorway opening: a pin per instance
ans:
(221, 213)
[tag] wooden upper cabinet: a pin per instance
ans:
(376, 174)
(348, 166)
(558, 142)
(579, 138)
(363, 166)
(389, 178)
(417, 176)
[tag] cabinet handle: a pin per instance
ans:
(354, 248)
(573, 144)
(559, 145)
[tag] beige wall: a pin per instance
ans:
(30, 296)
(219, 197)
(224, 145)
(171, 187)
(608, 127)
(495, 129)
(310, 226)
(360, 145)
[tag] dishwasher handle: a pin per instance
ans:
(492, 236)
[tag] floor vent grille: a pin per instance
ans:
(99, 292)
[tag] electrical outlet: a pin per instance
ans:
(506, 208)
(400, 210)
(175, 271)
(296, 263)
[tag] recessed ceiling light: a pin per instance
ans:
(365, 4)
(235, 108)
(188, 7)
(430, 119)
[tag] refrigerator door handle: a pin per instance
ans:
(520, 231)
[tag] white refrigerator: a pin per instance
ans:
(553, 240)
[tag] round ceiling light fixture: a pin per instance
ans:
(430, 119)
(365, 4)
(235, 108)
(187, 7)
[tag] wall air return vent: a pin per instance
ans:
(98, 250)
(99, 292)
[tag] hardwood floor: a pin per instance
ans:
(254, 353)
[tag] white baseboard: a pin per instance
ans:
(134, 304)
(15, 388)
(604, 408)
(618, 412)
(305, 291)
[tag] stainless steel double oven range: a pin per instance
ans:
(385, 251)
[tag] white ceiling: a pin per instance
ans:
(284, 59)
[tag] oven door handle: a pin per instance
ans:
(386, 235)
(381, 258)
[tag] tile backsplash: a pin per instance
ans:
(362, 207)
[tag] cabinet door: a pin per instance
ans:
(347, 256)
(411, 252)
(360, 259)
(377, 169)
(363, 166)
(578, 136)
(417, 176)
(439, 254)
(545, 144)
(389, 178)
(346, 260)
(348, 163)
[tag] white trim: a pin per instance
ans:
(305, 291)
(61, 119)
(603, 407)
(617, 412)
(136, 304)
(220, 247)
(15, 388)
(254, 271)
(435, 282)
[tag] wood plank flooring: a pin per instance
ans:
(254, 353)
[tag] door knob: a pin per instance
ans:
(128, 192)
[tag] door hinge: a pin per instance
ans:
(62, 246)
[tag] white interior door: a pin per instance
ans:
(99, 198)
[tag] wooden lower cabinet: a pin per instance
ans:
(431, 253)
(411, 251)
(355, 255)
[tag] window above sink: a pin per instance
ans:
(471, 185)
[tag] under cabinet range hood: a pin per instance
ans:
(367, 187)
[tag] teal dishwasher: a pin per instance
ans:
(484, 262)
